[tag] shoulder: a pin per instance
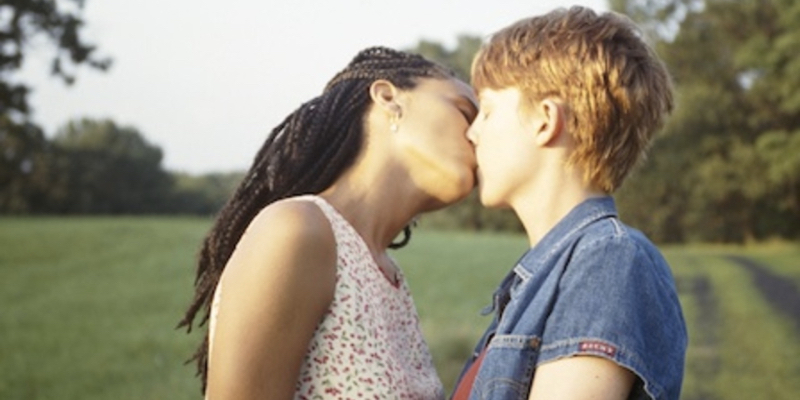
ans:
(297, 225)
(617, 300)
(612, 259)
(610, 239)
(290, 235)
(292, 217)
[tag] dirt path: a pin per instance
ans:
(780, 292)
(704, 364)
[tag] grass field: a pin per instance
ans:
(89, 307)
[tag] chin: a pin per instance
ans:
(490, 201)
(447, 195)
(465, 186)
(442, 200)
(452, 189)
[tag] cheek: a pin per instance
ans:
(498, 157)
(452, 136)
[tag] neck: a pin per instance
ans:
(549, 201)
(377, 201)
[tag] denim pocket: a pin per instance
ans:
(507, 368)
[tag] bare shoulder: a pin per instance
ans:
(296, 219)
(292, 236)
(277, 285)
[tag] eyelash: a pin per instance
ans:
(466, 116)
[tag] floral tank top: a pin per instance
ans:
(369, 344)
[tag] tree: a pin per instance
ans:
(728, 166)
(25, 172)
(204, 194)
(458, 59)
(25, 178)
(21, 21)
(110, 169)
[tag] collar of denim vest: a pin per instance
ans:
(582, 215)
(588, 211)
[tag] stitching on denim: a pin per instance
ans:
(523, 273)
(618, 228)
(596, 213)
(495, 383)
(523, 342)
(623, 239)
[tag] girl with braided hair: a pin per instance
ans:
(294, 278)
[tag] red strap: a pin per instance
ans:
(465, 386)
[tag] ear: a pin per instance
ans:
(385, 95)
(550, 120)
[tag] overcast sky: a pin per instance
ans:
(207, 80)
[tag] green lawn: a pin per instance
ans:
(740, 347)
(90, 305)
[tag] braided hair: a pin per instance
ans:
(305, 154)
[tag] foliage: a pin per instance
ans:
(204, 194)
(109, 169)
(459, 59)
(98, 167)
(22, 185)
(728, 165)
(725, 169)
(29, 175)
(60, 23)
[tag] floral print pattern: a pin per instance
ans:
(369, 344)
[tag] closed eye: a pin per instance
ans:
(468, 109)
(468, 116)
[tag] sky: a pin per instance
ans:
(207, 83)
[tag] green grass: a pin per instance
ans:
(743, 349)
(754, 339)
(452, 277)
(90, 305)
(782, 258)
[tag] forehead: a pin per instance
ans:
(451, 87)
(509, 94)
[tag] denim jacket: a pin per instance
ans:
(591, 286)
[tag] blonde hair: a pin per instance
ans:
(616, 91)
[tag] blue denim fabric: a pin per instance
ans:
(591, 286)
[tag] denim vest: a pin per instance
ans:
(591, 286)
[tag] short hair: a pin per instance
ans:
(616, 91)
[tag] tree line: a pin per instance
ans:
(98, 167)
(726, 167)
(88, 166)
